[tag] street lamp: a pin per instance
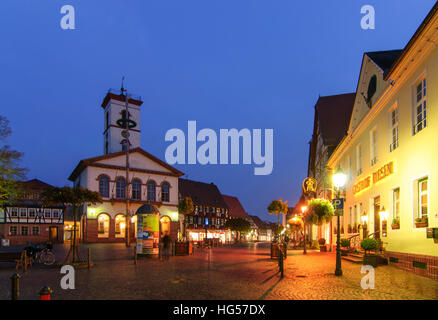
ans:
(339, 179)
(303, 209)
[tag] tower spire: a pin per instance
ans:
(122, 89)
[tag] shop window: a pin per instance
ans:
(103, 226)
(120, 225)
(396, 203)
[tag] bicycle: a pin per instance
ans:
(41, 255)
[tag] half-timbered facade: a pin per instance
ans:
(27, 220)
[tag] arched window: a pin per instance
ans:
(103, 225)
(136, 189)
(124, 145)
(151, 191)
(120, 188)
(104, 186)
(165, 192)
(120, 225)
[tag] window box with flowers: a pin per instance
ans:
(421, 222)
(395, 224)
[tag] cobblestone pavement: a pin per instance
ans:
(233, 272)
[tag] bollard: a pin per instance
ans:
(15, 286)
(89, 258)
(135, 254)
(45, 293)
(280, 262)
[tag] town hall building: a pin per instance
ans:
(150, 180)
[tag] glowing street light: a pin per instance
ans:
(303, 210)
(339, 178)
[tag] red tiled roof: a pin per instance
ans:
(35, 185)
(235, 207)
(201, 193)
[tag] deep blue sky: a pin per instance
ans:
(225, 63)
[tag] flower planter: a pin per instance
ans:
(421, 224)
(344, 252)
(323, 248)
(395, 226)
(183, 248)
(371, 260)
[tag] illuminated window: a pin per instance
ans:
(104, 186)
(151, 191)
(120, 225)
(422, 198)
(103, 226)
(420, 107)
(136, 189)
(165, 188)
(396, 203)
(120, 188)
(394, 129)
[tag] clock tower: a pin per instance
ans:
(115, 118)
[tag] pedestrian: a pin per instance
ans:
(166, 246)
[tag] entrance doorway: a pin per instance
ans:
(165, 226)
(377, 217)
(53, 234)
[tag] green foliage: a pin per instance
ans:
(10, 172)
(321, 241)
(296, 224)
(345, 243)
(319, 211)
(185, 206)
(315, 244)
(396, 221)
(69, 196)
(368, 244)
(277, 207)
(238, 224)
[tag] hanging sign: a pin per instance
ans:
(148, 234)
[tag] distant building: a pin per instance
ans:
(151, 180)
(26, 220)
(332, 116)
(210, 211)
(261, 230)
(236, 210)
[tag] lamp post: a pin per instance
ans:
(303, 210)
(339, 179)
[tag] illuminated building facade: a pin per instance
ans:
(389, 153)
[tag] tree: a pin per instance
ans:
(75, 197)
(10, 172)
(319, 211)
(185, 206)
(276, 228)
(278, 207)
(239, 225)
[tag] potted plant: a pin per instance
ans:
(395, 223)
(322, 247)
(345, 245)
(421, 222)
(367, 245)
(355, 228)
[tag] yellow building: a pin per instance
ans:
(390, 152)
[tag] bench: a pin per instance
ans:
(19, 258)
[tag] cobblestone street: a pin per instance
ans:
(229, 272)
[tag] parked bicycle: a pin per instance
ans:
(41, 253)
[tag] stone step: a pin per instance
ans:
(353, 259)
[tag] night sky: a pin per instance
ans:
(226, 64)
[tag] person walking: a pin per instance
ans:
(166, 246)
